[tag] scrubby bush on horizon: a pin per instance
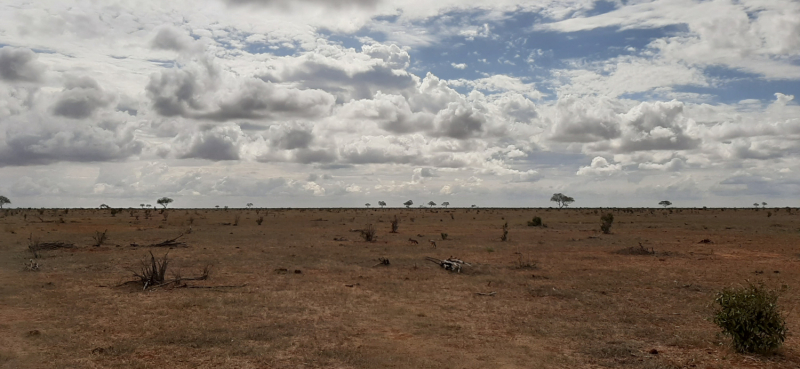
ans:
(751, 317)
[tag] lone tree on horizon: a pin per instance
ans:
(665, 203)
(164, 201)
(562, 200)
(408, 203)
(445, 204)
(368, 204)
(4, 200)
(431, 203)
(249, 205)
(382, 203)
(764, 204)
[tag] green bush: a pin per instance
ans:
(607, 219)
(750, 315)
(536, 222)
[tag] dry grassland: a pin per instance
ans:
(285, 294)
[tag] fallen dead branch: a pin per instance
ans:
(486, 294)
(641, 250)
(168, 243)
(451, 264)
(382, 261)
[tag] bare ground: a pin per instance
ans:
(285, 294)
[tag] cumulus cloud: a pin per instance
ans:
(599, 166)
(41, 141)
(458, 65)
(459, 121)
(169, 38)
(288, 3)
(81, 97)
(345, 73)
(20, 65)
(577, 119)
(218, 143)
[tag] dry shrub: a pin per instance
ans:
(641, 250)
(260, 220)
(100, 237)
(154, 272)
(368, 233)
(606, 220)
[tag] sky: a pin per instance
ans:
(340, 103)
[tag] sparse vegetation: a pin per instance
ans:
(751, 317)
(260, 220)
(535, 222)
(504, 237)
(236, 219)
(100, 237)
(444, 236)
(606, 221)
(368, 233)
(152, 272)
(395, 224)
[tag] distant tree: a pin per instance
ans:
(216, 206)
(142, 205)
(164, 201)
(104, 206)
(665, 203)
(474, 206)
(431, 203)
(445, 204)
(408, 203)
(149, 206)
(368, 204)
(4, 200)
(755, 204)
(562, 200)
(382, 203)
(249, 205)
(763, 204)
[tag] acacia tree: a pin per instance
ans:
(431, 203)
(764, 204)
(4, 200)
(249, 205)
(408, 203)
(665, 203)
(368, 204)
(164, 201)
(562, 200)
(382, 203)
(445, 204)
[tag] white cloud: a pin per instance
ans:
(599, 166)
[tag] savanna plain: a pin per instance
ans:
(301, 288)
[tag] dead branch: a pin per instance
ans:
(486, 294)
